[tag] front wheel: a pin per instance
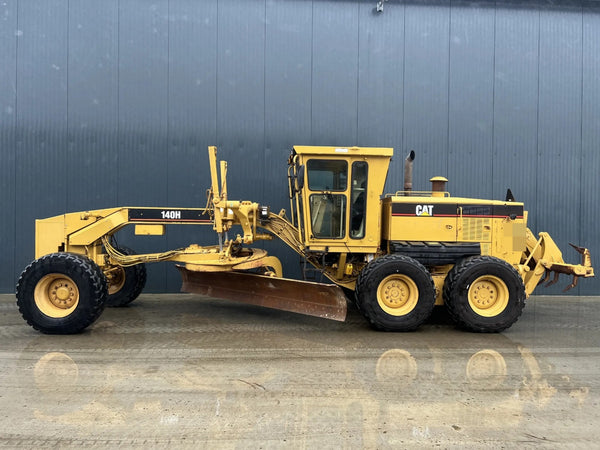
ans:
(395, 293)
(61, 293)
(484, 294)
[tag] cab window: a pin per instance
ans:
(358, 200)
(327, 175)
(328, 215)
(328, 210)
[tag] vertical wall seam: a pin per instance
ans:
(15, 140)
(537, 120)
(118, 127)
(68, 131)
(493, 143)
(312, 66)
(448, 87)
(264, 139)
(357, 73)
(166, 238)
(217, 81)
(168, 149)
(579, 213)
(168, 143)
(403, 128)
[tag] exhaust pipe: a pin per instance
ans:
(408, 167)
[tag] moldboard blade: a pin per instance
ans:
(313, 299)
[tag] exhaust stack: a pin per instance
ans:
(408, 167)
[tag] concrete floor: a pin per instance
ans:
(182, 371)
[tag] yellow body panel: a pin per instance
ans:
(150, 230)
(455, 219)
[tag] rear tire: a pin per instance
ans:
(61, 293)
(484, 294)
(125, 284)
(395, 293)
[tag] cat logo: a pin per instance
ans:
(424, 210)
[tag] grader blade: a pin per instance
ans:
(312, 299)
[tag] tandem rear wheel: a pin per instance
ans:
(61, 293)
(395, 293)
(484, 294)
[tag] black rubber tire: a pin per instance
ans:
(84, 273)
(350, 297)
(135, 280)
(456, 293)
(367, 292)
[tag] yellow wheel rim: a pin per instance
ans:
(56, 295)
(488, 296)
(115, 277)
(397, 294)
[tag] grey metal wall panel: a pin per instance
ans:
(516, 103)
(559, 128)
(288, 65)
(590, 154)
(471, 96)
(335, 73)
(241, 93)
(116, 102)
(381, 82)
(41, 175)
(192, 115)
(92, 158)
(8, 110)
(426, 61)
(143, 112)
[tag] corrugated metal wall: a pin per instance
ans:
(114, 103)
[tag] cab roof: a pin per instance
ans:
(346, 151)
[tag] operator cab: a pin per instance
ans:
(336, 196)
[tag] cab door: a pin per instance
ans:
(327, 198)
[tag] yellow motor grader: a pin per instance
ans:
(395, 255)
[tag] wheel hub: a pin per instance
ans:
(484, 294)
(116, 279)
(488, 296)
(56, 295)
(63, 293)
(397, 294)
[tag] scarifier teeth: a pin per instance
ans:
(573, 284)
(580, 250)
(546, 276)
(554, 280)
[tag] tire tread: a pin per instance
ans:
(361, 287)
(82, 267)
(456, 309)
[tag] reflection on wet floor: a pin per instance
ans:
(186, 371)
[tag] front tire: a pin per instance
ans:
(61, 293)
(484, 294)
(395, 293)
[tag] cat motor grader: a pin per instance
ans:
(395, 255)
